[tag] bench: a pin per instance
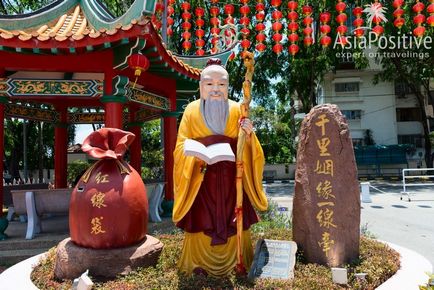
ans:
(36, 202)
(155, 191)
(269, 176)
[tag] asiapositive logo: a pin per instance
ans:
(398, 46)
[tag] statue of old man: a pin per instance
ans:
(205, 195)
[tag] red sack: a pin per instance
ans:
(109, 206)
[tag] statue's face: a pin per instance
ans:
(214, 82)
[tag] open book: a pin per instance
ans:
(212, 154)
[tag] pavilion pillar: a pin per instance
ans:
(114, 99)
(3, 100)
(136, 147)
(170, 134)
(60, 149)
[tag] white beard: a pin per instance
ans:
(215, 113)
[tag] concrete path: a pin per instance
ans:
(408, 224)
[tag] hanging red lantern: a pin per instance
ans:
(139, 63)
(293, 27)
(276, 15)
(170, 21)
(377, 6)
(229, 10)
(341, 19)
(419, 19)
(158, 15)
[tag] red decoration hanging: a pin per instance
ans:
(215, 30)
(398, 13)
(325, 29)
(378, 29)
(307, 21)
(277, 26)
(341, 19)
(419, 19)
(260, 26)
(200, 43)
(245, 21)
(170, 21)
(430, 10)
(358, 22)
(158, 15)
(186, 25)
(139, 63)
(293, 27)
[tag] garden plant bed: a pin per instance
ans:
(376, 259)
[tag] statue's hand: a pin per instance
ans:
(247, 125)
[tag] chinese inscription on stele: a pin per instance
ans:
(326, 206)
(273, 259)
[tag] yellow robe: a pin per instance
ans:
(197, 251)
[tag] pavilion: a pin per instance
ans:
(74, 55)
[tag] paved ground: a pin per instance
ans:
(409, 224)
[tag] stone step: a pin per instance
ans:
(8, 258)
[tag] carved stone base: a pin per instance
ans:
(72, 260)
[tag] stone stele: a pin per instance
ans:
(72, 260)
(326, 205)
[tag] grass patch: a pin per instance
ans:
(376, 259)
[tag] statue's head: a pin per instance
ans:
(214, 81)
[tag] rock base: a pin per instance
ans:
(72, 260)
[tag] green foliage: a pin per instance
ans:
(272, 219)
(430, 284)
(75, 170)
(152, 153)
(376, 259)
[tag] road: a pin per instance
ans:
(408, 224)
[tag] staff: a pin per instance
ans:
(249, 63)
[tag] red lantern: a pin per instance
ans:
(260, 47)
(325, 40)
(430, 21)
(186, 26)
(139, 63)
(378, 29)
(419, 31)
(215, 30)
(307, 31)
(341, 18)
(292, 5)
(245, 21)
(358, 22)
(293, 49)
(430, 10)
(277, 48)
(200, 12)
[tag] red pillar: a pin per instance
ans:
(170, 133)
(2, 122)
(60, 150)
(113, 100)
(136, 147)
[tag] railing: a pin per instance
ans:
(405, 184)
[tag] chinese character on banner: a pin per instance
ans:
(97, 226)
(324, 190)
(321, 123)
(322, 145)
(98, 200)
(101, 178)
(325, 218)
(325, 167)
(326, 243)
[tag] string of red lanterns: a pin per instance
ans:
(341, 19)
(277, 26)
(170, 21)
(419, 19)
(245, 21)
(325, 18)
(307, 21)
(398, 13)
(158, 15)
(260, 26)
(215, 22)
(293, 27)
(430, 10)
(186, 25)
(358, 22)
(200, 33)
(378, 29)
